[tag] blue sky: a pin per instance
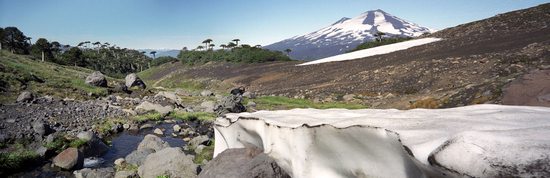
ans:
(174, 24)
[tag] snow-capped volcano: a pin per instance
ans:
(346, 33)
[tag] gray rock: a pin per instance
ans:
(148, 106)
(176, 128)
(199, 149)
(146, 126)
(69, 159)
(133, 80)
(96, 79)
(25, 97)
(249, 95)
(158, 131)
(107, 172)
(41, 128)
(152, 142)
(242, 162)
(208, 106)
(119, 161)
(207, 93)
(137, 157)
(348, 97)
(230, 104)
(126, 174)
(202, 139)
(251, 104)
(171, 162)
(94, 147)
(86, 136)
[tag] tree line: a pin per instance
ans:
(230, 52)
(105, 57)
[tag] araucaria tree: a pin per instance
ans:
(207, 42)
(236, 41)
(153, 53)
(379, 35)
(44, 46)
(287, 51)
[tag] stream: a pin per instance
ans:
(122, 144)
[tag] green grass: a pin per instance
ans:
(105, 126)
(163, 176)
(43, 78)
(126, 167)
(278, 102)
(16, 159)
(202, 116)
(58, 144)
(174, 81)
(152, 116)
(206, 154)
(77, 143)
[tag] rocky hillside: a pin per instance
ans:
(472, 64)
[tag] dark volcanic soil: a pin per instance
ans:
(469, 66)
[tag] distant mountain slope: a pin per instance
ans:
(346, 34)
(471, 65)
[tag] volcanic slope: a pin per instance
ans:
(471, 65)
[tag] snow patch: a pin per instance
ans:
(479, 141)
(375, 51)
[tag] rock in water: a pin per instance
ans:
(138, 156)
(242, 162)
(171, 162)
(203, 139)
(25, 97)
(95, 173)
(96, 79)
(69, 159)
(176, 128)
(152, 142)
(158, 131)
(133, 80)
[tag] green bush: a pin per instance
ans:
(238, 55)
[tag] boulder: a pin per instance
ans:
(230, 104)
(93, 147)
(251, 104)
(172, 162)
(249, 95)
(152, 142)
(86, 136)
(207, 93)
(126, 174)
(176, 128)
(148, 106)
(25, 97)
(242, 162)
(107, 172)
(138, 156)
(119, 161)
(69, 159)
(348, 97)
(41, 128)
(133, 80)
(203, 139)
(208, 106)
(158, 131)
(171, 96)
(96, 79)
